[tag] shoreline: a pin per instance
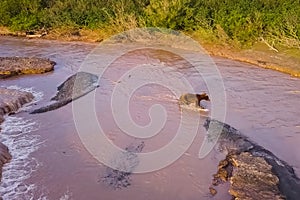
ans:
(285, 60)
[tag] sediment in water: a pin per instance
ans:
(253, 171)
(10, 101)
(12, 66)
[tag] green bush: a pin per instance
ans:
(244, 21)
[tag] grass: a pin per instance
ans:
(242, 22)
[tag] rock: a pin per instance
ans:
(12, 66)
(125, 164)
(252, 178)
(10, 101)
(253, 171)
(4, 157)
(212, 191)
(229, 140)
(73, 88)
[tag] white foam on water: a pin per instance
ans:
(16, 135)
(38, 96)
(66, 196)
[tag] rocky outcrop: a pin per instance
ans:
(249, 172)
(253, 172)
(124, 163)
(10, 101)
(12, 66)
(73, 88)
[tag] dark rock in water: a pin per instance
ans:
(73, 88)
(10, 101)
(4, 157)
(229, 140)
(125, 163)
(12, 66)
(254, 172)
(213, 191)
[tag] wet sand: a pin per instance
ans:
(261, 103)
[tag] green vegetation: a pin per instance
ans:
(239, 21)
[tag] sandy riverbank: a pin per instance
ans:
(282, 59)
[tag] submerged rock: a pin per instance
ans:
(12, 66)
(10, 101)
(253, 172)
(125, 163)
(73, 88)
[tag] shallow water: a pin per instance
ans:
(263, 104)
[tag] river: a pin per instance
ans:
(50, 161)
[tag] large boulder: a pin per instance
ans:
(12, 66)
(11, 100)
(73, 88)
(252, 178)
(253, 172)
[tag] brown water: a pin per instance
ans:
(263, 104)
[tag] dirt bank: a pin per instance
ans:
(286, 60)
(282, 59)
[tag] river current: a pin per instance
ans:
(50, 161)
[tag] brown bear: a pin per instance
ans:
(188, 98)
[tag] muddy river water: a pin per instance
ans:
(50, 161)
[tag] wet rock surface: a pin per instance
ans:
(12, 66)
(73, 88)
(4, 157)
(249, 172)
(253, 172)
(124, 163)
(10, 101)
